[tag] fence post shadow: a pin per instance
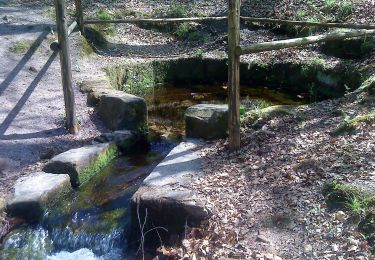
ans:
(18, 107)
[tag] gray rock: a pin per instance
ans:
(93, 97)
(95, 89)
(167, 193)
(33, 194)
(263, 239)
(82, 163)
(120, 111)
(208, 121)
(89, 85)
(125, 140)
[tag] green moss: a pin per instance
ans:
(104, 15)
(186, 31)
(252, 118)
(350, 125)
(340, 9)
(368, 86)
(22, 46)
(85, 48)
(136, 79)
(102, 161)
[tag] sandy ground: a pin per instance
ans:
(31, 97)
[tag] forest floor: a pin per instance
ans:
(266, 200)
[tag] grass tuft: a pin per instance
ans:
(22, 46)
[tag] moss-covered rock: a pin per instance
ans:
(35, 193)
(367, 86)
(82, 163)
(349, 48)
(257, 117)
(207, 121)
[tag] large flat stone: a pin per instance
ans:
(121, 111)
(207, 121)
(34, 193)
(82, 163)
(167, 193)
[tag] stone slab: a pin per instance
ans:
(167, 193)
(33, 194)
(207, 121)
(121, 111)
(76, 162)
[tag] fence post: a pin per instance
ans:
(66, 72)
(79, 16)
(234, 74)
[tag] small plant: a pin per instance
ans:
(300, 14)
(22, 46)
(199, 54)
(104, 15)
(178, 11)
(242, 110)
(183, 30)
(342, 9)
(356, 205)
(345, 9)
(329, 5)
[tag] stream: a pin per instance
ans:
(93, 221)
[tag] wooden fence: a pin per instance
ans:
(235, 50)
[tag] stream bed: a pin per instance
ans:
(93, 221)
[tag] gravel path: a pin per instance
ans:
(31, 97)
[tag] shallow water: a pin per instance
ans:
(93, 222)
(167, 104)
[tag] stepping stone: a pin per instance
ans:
(207, 121)
(167, 193)
(35, 193)
(121, 111)
(127, 141)
(82, 163)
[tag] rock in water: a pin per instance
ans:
(34, 193)
(207, 121)
(121, 111)
(82, 163)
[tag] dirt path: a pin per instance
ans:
(31, 97)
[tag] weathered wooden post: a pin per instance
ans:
(66, 72)
(234, 74)
(79, 16)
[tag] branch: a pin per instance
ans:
(304, 23)
(277, 45)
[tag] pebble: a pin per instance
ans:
(353, 242)
(340, 215)
(263, 239)
(307, 248)
(272, 257)
(33, 69)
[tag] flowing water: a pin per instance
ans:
(93, 222)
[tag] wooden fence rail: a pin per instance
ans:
(277, 45)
